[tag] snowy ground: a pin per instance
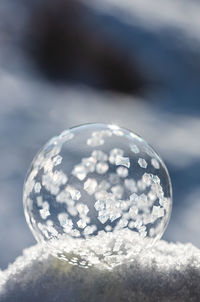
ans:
(170, 272)
(167, 43)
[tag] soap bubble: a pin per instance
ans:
(97, 195)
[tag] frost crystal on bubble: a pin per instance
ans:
(158, 211)
(118, 132)
(155, 163)
(103, 217)
(90, 186)
(117, 191)
(90, 229)
(82, 209)
(75, 194)
(114, 153)
(99, 205)
(95, 141)
(102, 168)
(57, 160)
(122, 172)
(66, 135)
(80, 172)
(39, 201)
(91, 198)
(44, 212)
(134, 148)
(81, 223)
(122, 161)
(130, 184)
(37, 187)
(62, 217)
(89, 163)
(114, 178)
(99, 155)
(142, 163)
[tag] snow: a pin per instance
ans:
(168, 272)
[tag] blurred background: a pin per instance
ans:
(68, 62)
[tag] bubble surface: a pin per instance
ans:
(97, 194)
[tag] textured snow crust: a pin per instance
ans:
(168, 272)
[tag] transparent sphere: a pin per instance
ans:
(97, 195)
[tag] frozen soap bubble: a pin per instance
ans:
(97, 195)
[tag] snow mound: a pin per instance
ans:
(168, 272)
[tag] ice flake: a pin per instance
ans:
(130, 184)
(37, 187)
(134, 148)
(142, 163)
(102, 195)
(165, 202)
(155, 163)
(108, 228)
(114, 178)
(81, 223)
(117, 191)
(63, 196)
(82, 209)
(90, 229)
(158, 211)
(133, 211)
(122, 161)
(68, 226)
(114, 153)
(131, 224)
(99, 155)
(62, 218)
(75, 194)
(138, 224)
(122, 223)
(103, 185)
(113, 127)
(79, 171)
(57, 160)
(118, 132)
(75, 233)
(141, 185)
(90, 186)
(66, 135)
(102, 168)
(103, 217)
(106, 133)
(122, 172)
(72, 210)
(89, 163)
(99, 205)
(48, 165)
(39, 201)
(95, 141)
(114, 215)
(134, 198)
(65, 222)
(146, 178)
(59, 177)
(150, 179)
(44, 212)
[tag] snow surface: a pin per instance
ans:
(168, 272)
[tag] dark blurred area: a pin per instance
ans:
(68, 62)
(67, 44)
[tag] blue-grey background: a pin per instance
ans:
(136, 64)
